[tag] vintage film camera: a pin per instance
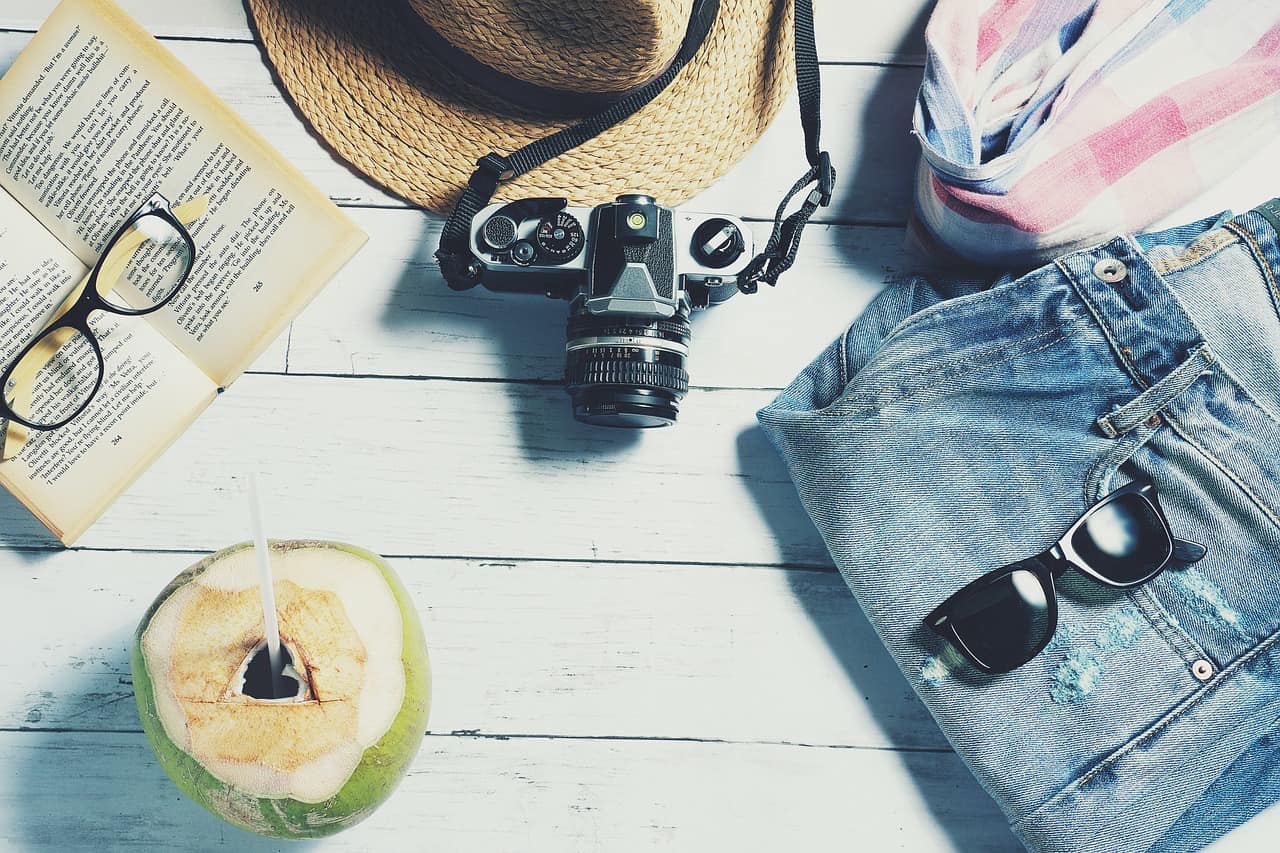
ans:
(632, 271)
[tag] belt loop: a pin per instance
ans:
(1146, 407)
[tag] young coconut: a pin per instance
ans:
(324, 756)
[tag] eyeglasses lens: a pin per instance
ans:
(1124, 541)
(146, 266)
(1003, 623)
(55, 379)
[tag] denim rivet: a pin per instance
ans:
(1110, 270)
(1202, 670)
(1154, 421)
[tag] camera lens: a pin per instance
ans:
(627, 371)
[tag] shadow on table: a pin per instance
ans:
(869, 192)
(524, 334)
(104, 790)
(969, 817)
(21, 535)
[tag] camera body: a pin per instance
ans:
(632, 271)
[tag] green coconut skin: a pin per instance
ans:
(380, 770)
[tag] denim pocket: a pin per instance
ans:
(911, 369)
(945, 344)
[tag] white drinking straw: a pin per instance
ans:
(267, 585)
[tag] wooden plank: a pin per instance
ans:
(214, 19)
(94, 792)
(875, 100)
(276, 357)
(465, 468)
(847, 32)
(390, 313)
(577, 649)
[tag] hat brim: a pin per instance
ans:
(363, 76)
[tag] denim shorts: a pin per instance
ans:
(957, 427)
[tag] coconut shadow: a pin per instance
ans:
(76, 787)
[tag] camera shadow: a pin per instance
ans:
(514, 339)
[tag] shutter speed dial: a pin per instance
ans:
(560, 238)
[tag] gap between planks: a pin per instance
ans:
(470, 734)
(487, 560)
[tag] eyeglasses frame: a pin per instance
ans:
(76, 317)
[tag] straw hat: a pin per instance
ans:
(413, 92)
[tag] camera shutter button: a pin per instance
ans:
(523, 252)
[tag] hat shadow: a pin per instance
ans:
(965, 813)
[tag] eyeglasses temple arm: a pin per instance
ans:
(1186, 551)
(16, 435)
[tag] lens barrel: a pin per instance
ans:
(627, 371)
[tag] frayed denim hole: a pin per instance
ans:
(1082, 670)
(1205, 598)
(1068, 634)
(935, 668)
(1077, 676)
(1121, 630)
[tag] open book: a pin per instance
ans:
(95, 116)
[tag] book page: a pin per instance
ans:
(36, 275)
(95, 115)
(150, 391)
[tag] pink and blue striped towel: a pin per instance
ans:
(1049, 125)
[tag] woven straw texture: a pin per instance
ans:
(615, 47)
(361, 74)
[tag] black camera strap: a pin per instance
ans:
(460, 269)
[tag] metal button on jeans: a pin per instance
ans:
(1202, 670)
(1110, 270)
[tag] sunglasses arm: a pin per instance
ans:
(1187, 552)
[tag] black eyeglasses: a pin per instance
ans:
(141, 269)
(1006, 617)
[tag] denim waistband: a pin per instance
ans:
(1148, 328)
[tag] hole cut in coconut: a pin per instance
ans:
(254, 679)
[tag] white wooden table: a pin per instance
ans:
(639, 641)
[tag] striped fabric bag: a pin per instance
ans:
(1049, 125)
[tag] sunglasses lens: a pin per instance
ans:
(1003, 623)
(1124, 541)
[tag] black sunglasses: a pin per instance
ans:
(1006, 617)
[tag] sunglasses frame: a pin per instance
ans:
(1053, 563)
(77, 316)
